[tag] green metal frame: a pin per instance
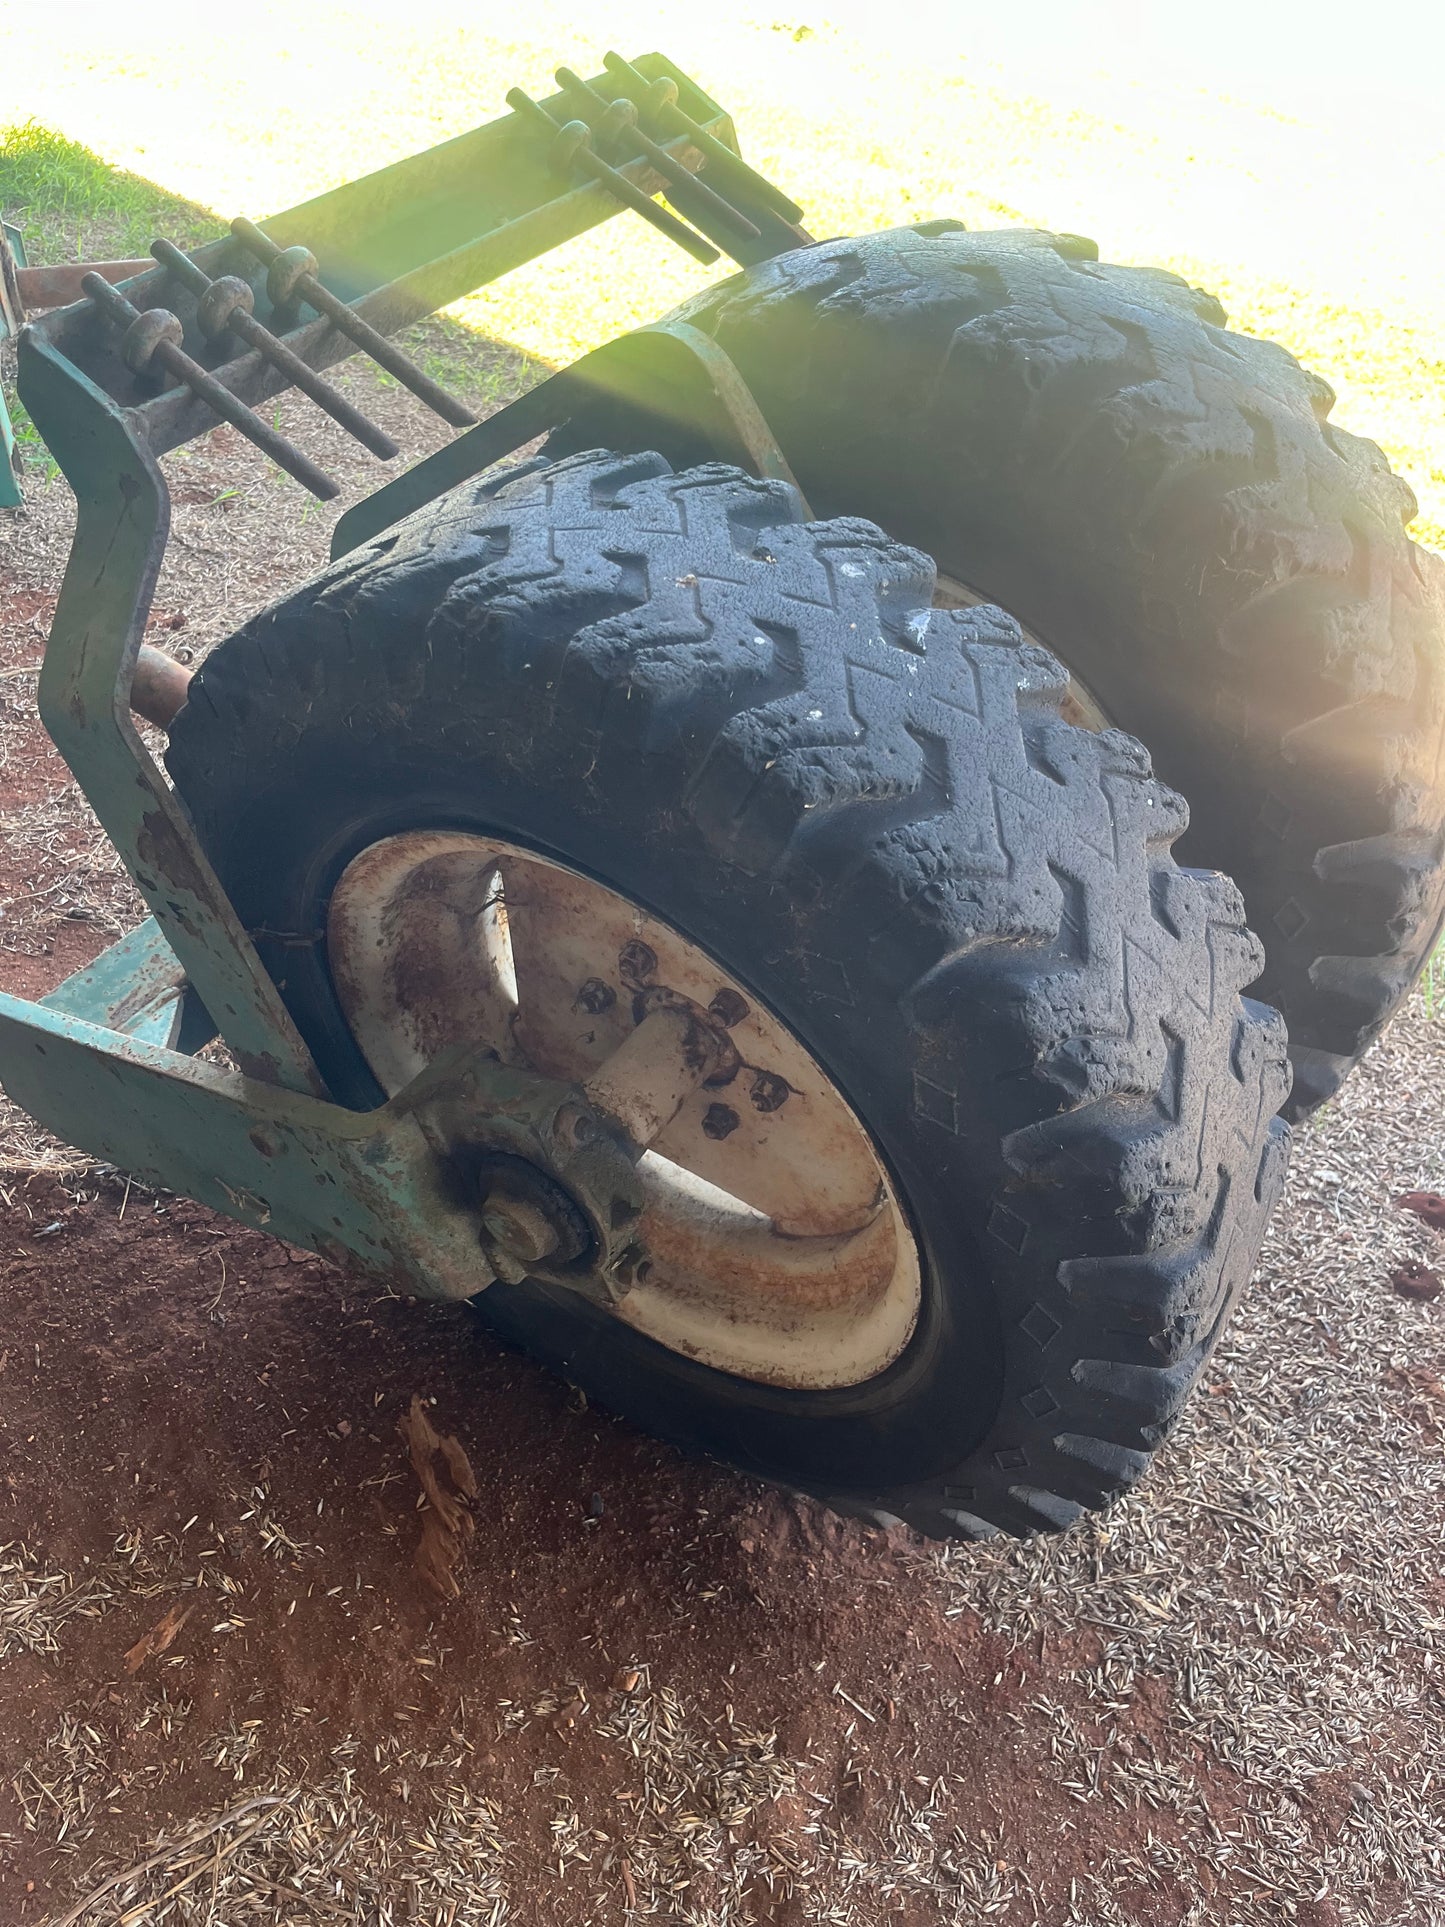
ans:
(366, 1185)
(122, 521)
(105, 1060)
(12, 257)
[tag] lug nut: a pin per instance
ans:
(574, 1127)
(729, 1008)
(769, 1092)
(719, 1120)
(595, 996)
(630, 1267)
(637, 963)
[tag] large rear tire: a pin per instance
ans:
(871, 816)
(1168, 508)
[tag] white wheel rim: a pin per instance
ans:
(779, 1250)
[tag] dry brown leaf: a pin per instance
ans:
(447, 1519)
(158, 1639)
(437, 1553)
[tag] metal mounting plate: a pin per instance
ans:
(364, 1185)
(671, 373)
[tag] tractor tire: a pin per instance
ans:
(1167, 507)
(870, 814)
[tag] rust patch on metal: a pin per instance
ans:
(159, 687)
(58, 285)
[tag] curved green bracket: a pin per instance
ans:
(123, 517)
(669, 380)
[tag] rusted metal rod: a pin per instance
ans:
(226, 304)
(576, 152)
(298, 276)
(664, 163)
(159, 686)
(156, 336)
(659, 98)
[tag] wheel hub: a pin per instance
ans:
(640, 1126)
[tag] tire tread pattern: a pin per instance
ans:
(1240, 566)
(968, 905)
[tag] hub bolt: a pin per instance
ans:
(769, 1092)
(520, 1227)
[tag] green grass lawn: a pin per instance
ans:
(1311, 220)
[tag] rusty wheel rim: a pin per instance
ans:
(779, 1249)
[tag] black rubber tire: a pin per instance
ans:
(875, 818)
(1167, 507)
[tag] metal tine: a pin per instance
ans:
(226, 304)
(666, 164)
(659, 99)
(575, 150)
(292, 272)
(156, 336)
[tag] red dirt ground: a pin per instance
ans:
(163, 1367)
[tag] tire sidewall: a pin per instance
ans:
(911, 1424)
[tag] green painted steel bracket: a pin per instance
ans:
(123, 517)
(398, 1190)
(12, 256)
(367, 1186)
(670, 380)
(136, 987)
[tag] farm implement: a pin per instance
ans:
(686, 875)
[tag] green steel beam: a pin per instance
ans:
(123, 516)
(12, 257)
(367, 1186)
(136, 987)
